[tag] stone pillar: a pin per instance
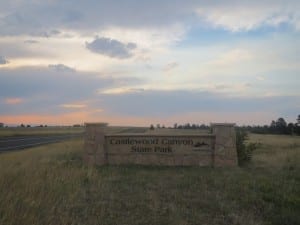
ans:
(94, 149)
(225, 153)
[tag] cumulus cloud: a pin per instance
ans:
(3, 61)
(155, 33)
(26, 16)
(112, 48)
(239, 16)
(61, 68)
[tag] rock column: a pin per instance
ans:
(225, 153)
(94, 152)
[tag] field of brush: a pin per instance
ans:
(51, 185)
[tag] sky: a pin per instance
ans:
(135, 62)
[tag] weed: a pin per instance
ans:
(51, 185)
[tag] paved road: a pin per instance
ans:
(22, 142)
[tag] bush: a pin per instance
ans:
(244, 150)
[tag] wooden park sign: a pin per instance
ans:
(212, 149)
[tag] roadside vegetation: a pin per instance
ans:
(51, 185)
(244, 147)
(24, 131)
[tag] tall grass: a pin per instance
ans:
(51, 185)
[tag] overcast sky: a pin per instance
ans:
(134, 62)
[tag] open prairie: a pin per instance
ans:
(24, 131)
(51, 185)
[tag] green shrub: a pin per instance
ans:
(244, 150)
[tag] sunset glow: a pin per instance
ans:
(142, 63)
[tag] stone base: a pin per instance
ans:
(216, 149)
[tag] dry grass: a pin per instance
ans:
(276, 151)
(18, 131)
(51, 185)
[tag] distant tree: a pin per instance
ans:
(290, 128)
(22, 125)
(28, 125)
(151, 127)
(265, 129)
(175, 126)
(163, 126)
(272, 128)
(281, 126)
(281, 122)
(187, 126)
(297, 126)
(273, 123)
(203, 126)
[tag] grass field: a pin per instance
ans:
(18, 131)
(51, 185)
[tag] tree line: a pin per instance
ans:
(279, 126)
(181, 126)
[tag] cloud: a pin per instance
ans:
(74, 106)
(30, 17)
(260, 78)
(112, 48)
(233, 57)
(61, 68)
(223, 86)
(16, 48)
(50, 38)
(45, 89)
(13, 101)
(170, 66)
(118, 91)
(240, 16)
(31, 41)
(50, 33)
(151, 103)
(48, 90)
(66, 118)
(3, 61)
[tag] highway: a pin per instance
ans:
(23, 142)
